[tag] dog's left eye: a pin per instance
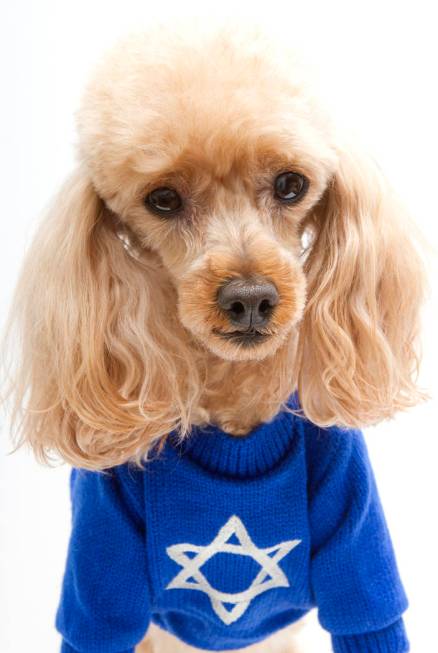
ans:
(164, 201)
(290, 187)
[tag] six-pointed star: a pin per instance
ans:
(191, 577)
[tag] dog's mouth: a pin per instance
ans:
(247, 338)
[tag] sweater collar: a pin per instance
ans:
(241, 456)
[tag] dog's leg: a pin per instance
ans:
(159, 641)
(146, 646)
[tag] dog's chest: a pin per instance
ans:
(229, 552)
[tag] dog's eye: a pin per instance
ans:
(289, 187)
(164, 201)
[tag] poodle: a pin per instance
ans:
(223, 294)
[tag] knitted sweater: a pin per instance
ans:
(223, 540)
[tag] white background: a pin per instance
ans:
(377, 62)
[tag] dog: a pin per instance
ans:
(218, 248)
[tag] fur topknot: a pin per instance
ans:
(118, 327)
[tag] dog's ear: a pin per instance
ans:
(101, 367)
(357, 354)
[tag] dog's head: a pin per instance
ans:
(213, 158)
(213, 211)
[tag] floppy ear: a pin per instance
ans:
(357, 353)
(103, 367)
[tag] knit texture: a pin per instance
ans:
(222, 541)
(391, 639)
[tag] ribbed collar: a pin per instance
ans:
(240, 456)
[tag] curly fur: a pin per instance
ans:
(116, 307)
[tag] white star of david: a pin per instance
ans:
(191, 577)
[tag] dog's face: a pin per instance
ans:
(176, 245)
(213, 159)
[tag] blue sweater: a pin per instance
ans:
(223, 540)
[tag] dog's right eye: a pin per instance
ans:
(164, 201)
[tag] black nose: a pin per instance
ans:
(248, 303)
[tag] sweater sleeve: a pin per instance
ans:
(104, 605)
(354, 574)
